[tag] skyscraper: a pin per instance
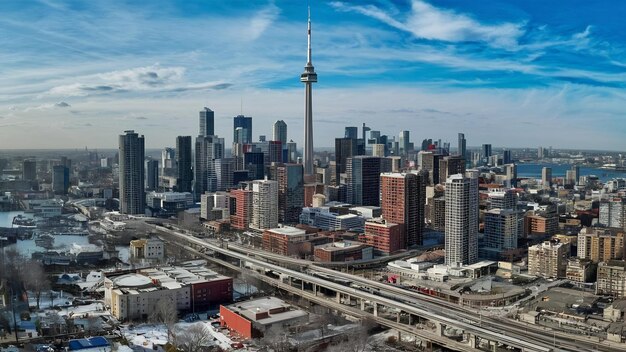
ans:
(461, 238)
(279, 132)
(29, 170)
(450, 165)
(290, 192)
(152, 175)
(242, 129)
(168, 162)
(487, 151)
(344, 148)
(546, 177)
(363, 179)
(402, 197)
(184, 176)
(352, 132)
(462, 145)
(404, 142)
(60, 179)
(208, 148)
(506, 157)
(224, 170)
(131, 165)
(207, 122)
(308, 77)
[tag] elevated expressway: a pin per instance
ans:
(421, 310)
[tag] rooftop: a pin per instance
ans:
(266, 311)
(288, 231)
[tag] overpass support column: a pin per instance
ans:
(314, 290)
(438, 329)
(493, 345)
(338, 298)
(398, 317)
(362, 303)
(302, 281)
(472, 341)
(375, 309)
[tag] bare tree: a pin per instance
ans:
(94, 324)
(165, 312)
(193, 338)
(34, 278)
(276, 339)
(355, 340)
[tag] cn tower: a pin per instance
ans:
(308, 77)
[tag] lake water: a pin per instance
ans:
(6, 217)
(558, 170)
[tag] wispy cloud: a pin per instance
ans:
(262, 20)
(141, 79)
(426, 21)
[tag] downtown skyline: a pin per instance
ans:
(506, 73)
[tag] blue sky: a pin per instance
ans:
(510, 73)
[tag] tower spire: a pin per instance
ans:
(309, 37)
(308, 77)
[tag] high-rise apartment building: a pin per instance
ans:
(363, 179)
(502, 229)
(132, 171)
(546, 177)
(60, 179)
(152, 175)
(240, 208)
(290, 179)
(207, 122)
(402, 197)
(601, 244)
(242, 129)
(502, 199)
(461, 236)
(184, 174)
(264, 204)
(611, 279)
(548, 259)
(279, 132)
(612, 212)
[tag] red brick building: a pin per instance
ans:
(205, 295)
(240, 209)
(250, 319)
(402, 199)
(292, 241)
(343, 252)
(385, 237)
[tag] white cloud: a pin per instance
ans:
(141, 79)
(262, 20)
(428, 22)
